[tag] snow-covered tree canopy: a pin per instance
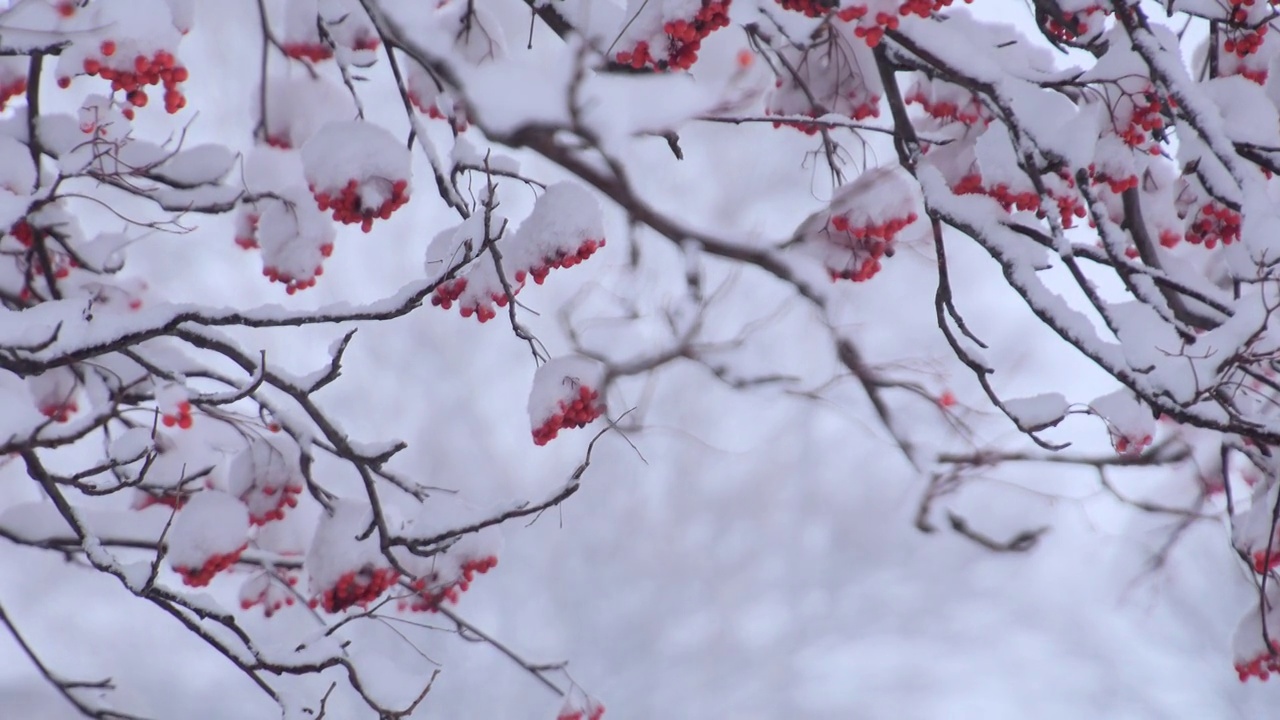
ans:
(1115, 161)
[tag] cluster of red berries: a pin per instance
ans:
(971, 113)
(1075, 26)
(429, 599)
(1262, 562)
(593, 711)
(870, 241)
(1261, 666)
(576, 413)
(1144, 121)
(448, 292)
(971, 184)
(284, 496)
(292, 284)
(247, 231)
(872, 33)
(199, 577)
(12, 89)
(23, 232)
(1117, 185)
(924, 8)
(1243, 43)
(684, 39)
(484, 313)
(60, 412)
(182, 419)
(161, 68)
(356, 588)
(560, 259)
(311, 51)
(1214, 223)
(270, 596)
(147, 497)
(349, 209)
(62, 266)
(1131, 446)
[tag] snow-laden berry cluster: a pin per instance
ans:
(358, 171)
(565, 395)
(208, 536)
(565, 227)
(667, 34)
(861, 224)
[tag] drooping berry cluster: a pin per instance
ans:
(969, 111)
(350, 207)
(1261, 666)
(159, 69)
(12, 89)
(199, 577)
(448, 292)
(1212, 224)
(268, 590)
(1143, 121)
(270, 501)
(1126, 445)
(247, 230)
(309, 51)
(683, 39)
(589, 709)
(356, 588)
(60, 412)
(182, 418)
(292, 284)
(1075, 24)
(1009, 198)
(559, 259)
(430, 593)
(868, 241)
(578, 412)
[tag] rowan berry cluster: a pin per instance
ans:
(428, 596)
(484, 313)
(590, 710)
(1261, 666)
(1243, 43)
(159, 69)
(199, 577)
(1117, 185)
(1212, 224)
(1075, 24)
(265, 590)
(247, 230)
(349, 207)
(309, 51)
(448, 292)
(1009, 199)
(559, 259)
(683, 39)
(871, 33)
(182, 419)
(268, 502)
(292, 284)
(584, 407)
(1144, 120)
(356, 588)
(1130, 446)
(12, 89)
(970, 112)
(60, 411)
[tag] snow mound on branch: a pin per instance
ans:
(200, 165)
(1037, 412)
(210, 530)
